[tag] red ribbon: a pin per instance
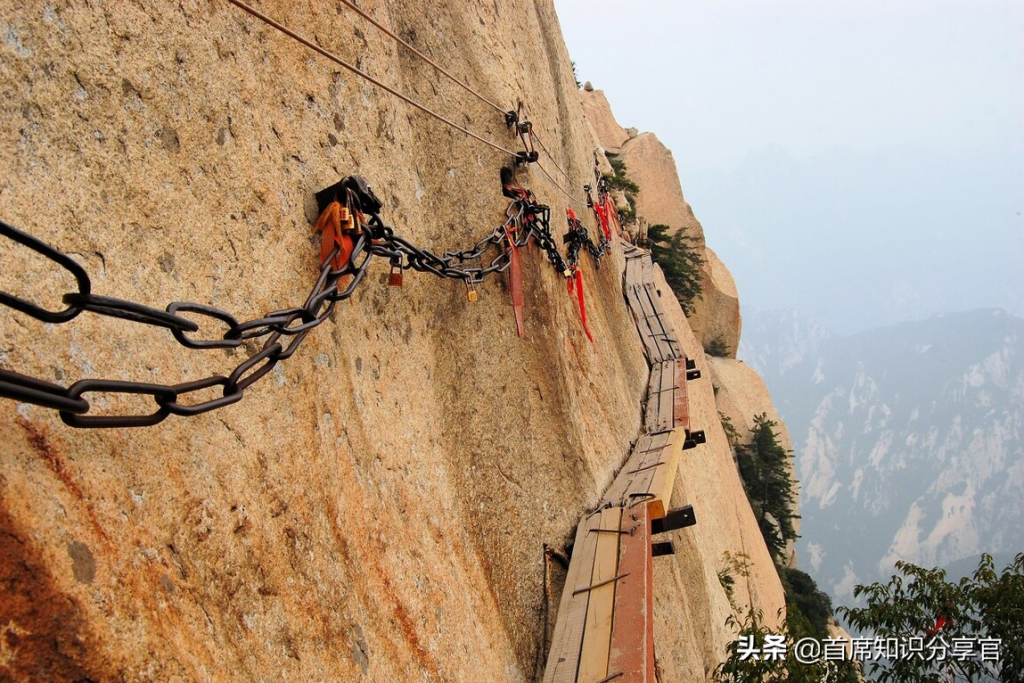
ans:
(329, 225)
(577, 281)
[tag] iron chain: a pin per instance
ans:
(282, 331)
(577, 238)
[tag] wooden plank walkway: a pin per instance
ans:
(597, 637)
(636, 475)
(605, 628)
(680, 398)
(660, 344)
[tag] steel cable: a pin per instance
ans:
(362, 74)
(422, 56)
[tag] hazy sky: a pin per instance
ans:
(729, 86)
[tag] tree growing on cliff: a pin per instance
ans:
(764, 468)
(718, 347)
(680, 259)
(761, 655)
(618, 179)
(983, 613)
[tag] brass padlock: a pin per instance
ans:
(471, 294)
(345, 219)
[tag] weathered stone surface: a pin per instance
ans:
(708, 480)
(742, 394)
(375, 508)
(717, 314)
(651, 165)
(610, 135)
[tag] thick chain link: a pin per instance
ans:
(282, 331)
(577, 238)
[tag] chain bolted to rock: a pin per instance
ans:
(352, 233)
(575, 240)
(604, 207)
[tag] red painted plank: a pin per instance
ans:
(632, 645)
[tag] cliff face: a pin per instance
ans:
(376, 507)
(599, 115)
(716, 314)
(688, 592)
(741, 396)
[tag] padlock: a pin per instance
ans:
(395, 278)
(471, 293)
(345, 219)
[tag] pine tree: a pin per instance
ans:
(764, 467)
(680, 260)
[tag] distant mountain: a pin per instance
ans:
(908, 439)
(774, 342)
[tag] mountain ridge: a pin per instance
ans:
(908, 440)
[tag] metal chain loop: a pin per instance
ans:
(283, 329)
(577, 238)
(292, 323)
(61, 259)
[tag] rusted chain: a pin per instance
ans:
(282, 331)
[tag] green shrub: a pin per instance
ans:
(921, 602)
(802, 594)
(619, 180)
(680, 259)
(732, 434)
(718, 348)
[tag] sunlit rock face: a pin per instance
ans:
(716, 314)
(376, 507)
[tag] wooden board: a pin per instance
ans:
(660, 343)
(652, 329)
(665, 475)
(680, 399)
(638, 472)
(640, 307)
(632, 644)
(650, 473)
(661, 397)
(667, 340)
(567, 640)
(606, 630)
(661, 332)
(598, 634)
